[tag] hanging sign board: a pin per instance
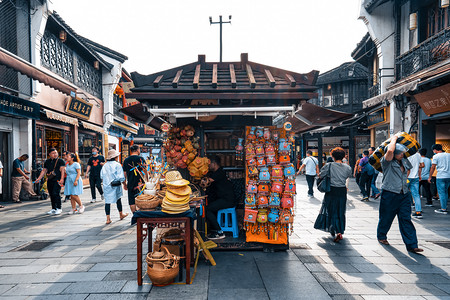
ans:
(79, 108)
(435, 101)
(376, 117)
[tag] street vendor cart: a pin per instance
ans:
(239, 111)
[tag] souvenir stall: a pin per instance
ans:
(228, 109)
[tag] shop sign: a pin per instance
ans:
(79, 108)
(165, 127)
(376, 117)
(15, 106)
(153, 145)
(435, 101)
(287, 126)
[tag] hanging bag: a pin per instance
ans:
(324, 183)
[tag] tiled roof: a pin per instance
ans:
(346, 71)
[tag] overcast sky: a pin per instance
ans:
(296, 35)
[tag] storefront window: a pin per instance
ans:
(381, 134)
(361, 143)
(86, 141)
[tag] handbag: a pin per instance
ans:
(52, 174)
(116, 183)
(250, 215)
(324, 183)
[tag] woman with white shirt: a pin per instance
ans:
(113, 177)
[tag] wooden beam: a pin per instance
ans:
(157, 81)
(177, 79)
(226, 95)
(214, 76)
(291, 80)
(233, 76)
(196, 77)
(270, 78)
(251, 78)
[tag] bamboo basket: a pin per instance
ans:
(147, 202)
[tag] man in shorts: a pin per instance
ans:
(135, 170)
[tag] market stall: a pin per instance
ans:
(212, 109)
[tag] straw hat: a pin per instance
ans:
(174, 178)
(112, 154)
(181, 191)
(169, 208)
(173, 198)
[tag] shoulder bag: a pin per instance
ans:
(52, 174)
(324, 183)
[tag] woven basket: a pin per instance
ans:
(163, 270)
(147, 202)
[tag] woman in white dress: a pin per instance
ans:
(113, 177)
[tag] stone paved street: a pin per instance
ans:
(94, 261)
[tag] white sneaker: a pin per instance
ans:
(81, 209)
(51, 212)
(93, 200)
(103, 198)
(58, 211)
(72, 212)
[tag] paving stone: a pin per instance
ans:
(247, 275)
(379, 268)
(133, 287)
(82, 276)
(116, 297)
(37, 289)
(443, 286)
(17, 262)
(424, 268)
(122, 275)
(21, 269)
(5, 287)
(60, 297)
(334, 268)
(352, 288)
(95, 287)
(99, 259)
(67, 268)
(327, 277)
(368, 277)
(412, 289)
(392, 297)
(114, 266)
(347, 297)
(237, 294)
(421, 278)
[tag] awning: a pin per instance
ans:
(60, 117)
(311, 116)
(93, 127)
(434, 101)
(411, 86)
(20, 65)
(127, 128)
(137, 112)
(194, 112)
(17, 107)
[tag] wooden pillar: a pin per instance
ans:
(320, 150)
(351, 147)
(74, 138)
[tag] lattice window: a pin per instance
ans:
(56, 56)
(88, 78)
(438, 19)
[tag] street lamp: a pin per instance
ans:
(220, 23)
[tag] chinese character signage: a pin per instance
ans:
(79, 108)
(435, 101)
(376, 117)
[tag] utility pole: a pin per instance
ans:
(220, 23)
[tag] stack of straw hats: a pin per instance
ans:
(177, 195)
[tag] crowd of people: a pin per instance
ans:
(400, 190)
(108, 177)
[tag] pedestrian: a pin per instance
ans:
(367, 172)
(332, 212)
(329, 159)
(113, 177)
(395, 197)
(95, 164)
(424, 173)
(311, 166)
(413, 184)
(64, 156)
(54, 168)
(19, 178)
(357, 170)
(1, 180)
(135, 171)
(375, 191)
(220, 196)
(74, 184)
(324, 157)
(441, 163)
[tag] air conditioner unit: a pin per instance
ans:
(327, 101)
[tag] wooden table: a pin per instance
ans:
(145, 228)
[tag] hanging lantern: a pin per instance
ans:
(413, 21)
(445, 3)
(62, 36)
(96, 65)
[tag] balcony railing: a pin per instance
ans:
(424, 55)
(374, 85)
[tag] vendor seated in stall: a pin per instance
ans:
(220, 196)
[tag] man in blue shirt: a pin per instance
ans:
(424, 173)
(441, 163)
(367, 172)
(19, 178)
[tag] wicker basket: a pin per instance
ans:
(147, 202)
(163, 270)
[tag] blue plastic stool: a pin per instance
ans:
(227, 220)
